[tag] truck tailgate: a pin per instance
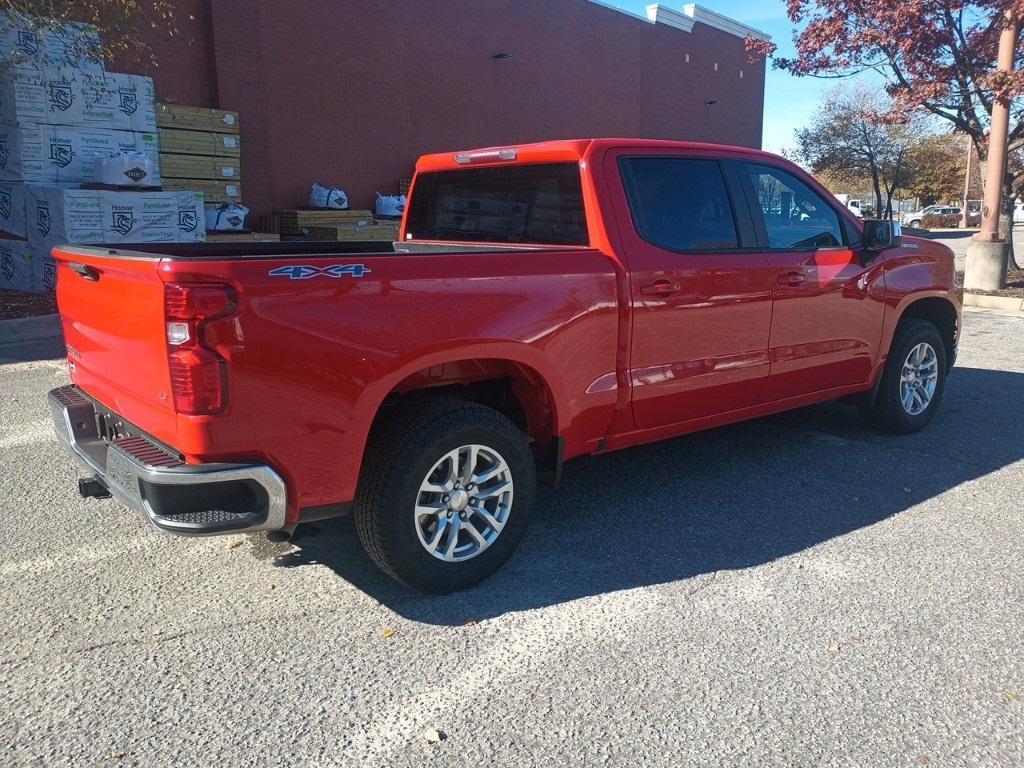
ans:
(112, 311)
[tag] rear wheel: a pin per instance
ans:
(916, 223)
(445, 494)
(913, 380)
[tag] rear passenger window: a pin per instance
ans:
(680, 204)
(795, 216)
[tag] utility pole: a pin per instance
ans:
(988, 253)
(964, 218)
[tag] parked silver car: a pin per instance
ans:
(915, 218)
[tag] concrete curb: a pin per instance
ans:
(24, 329)
(1005, 303)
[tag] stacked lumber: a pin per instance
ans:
(196, 119)
(173, 141)
(200, 149)
(215, 191)
(79, 158)
(200, 167)
(296, 222)
(380, 230)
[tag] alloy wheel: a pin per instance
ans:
(463, 503)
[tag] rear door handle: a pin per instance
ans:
(792, 279)
(659, 288)
(85, 271)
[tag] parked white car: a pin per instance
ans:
(1018, 213)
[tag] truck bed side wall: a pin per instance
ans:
(319, 355)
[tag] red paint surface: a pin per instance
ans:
(352, 93)
(594, 360)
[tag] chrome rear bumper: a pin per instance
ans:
(188, 499)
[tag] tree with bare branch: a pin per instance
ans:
(120, 24)
(854, 132)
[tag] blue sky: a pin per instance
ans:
(789, 101)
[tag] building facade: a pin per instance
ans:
(350, 93)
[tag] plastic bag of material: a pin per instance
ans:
(390, 206)
(226, 217)
(327, 197)
(127, 169)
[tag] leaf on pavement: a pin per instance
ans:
(434, 736)
(387, 633)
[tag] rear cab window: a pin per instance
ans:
(540, 204)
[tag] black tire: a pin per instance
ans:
(916, 224)
(887, 412)
(400, 454)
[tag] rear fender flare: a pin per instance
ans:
(368, 406)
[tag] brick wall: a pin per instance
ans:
(350, 93)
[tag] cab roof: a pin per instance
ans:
(564, 150)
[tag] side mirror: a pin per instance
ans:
(881, 234)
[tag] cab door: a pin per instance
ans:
(700, 290)
(828, 298)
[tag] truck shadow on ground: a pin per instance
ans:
(30, 350)
(730, 498)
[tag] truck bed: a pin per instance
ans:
(295, 248)
(308, 354)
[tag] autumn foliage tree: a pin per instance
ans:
(935, 55)
(120, 24)
(936, 167)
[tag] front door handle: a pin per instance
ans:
(792, 279)
(659, 288)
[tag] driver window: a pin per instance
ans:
(795, 216)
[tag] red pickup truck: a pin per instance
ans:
(542, 302)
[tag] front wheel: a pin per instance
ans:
(913, 380)
(445, 494)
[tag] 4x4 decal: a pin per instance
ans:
(306, 271)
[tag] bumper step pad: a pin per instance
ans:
(191, 499)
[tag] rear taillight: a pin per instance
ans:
(198, 373)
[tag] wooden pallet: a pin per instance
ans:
(295, 222)
(215, 191)
(377, 231)
(118, 187)
(196, 118)
(176, 141)
(199, 167)
(242, 237)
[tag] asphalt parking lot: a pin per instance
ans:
(958, 241)
(794, 591)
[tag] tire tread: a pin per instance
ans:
(886, 412)
(396, 443)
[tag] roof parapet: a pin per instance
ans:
(693, 13)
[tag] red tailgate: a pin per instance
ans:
(112, 311)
